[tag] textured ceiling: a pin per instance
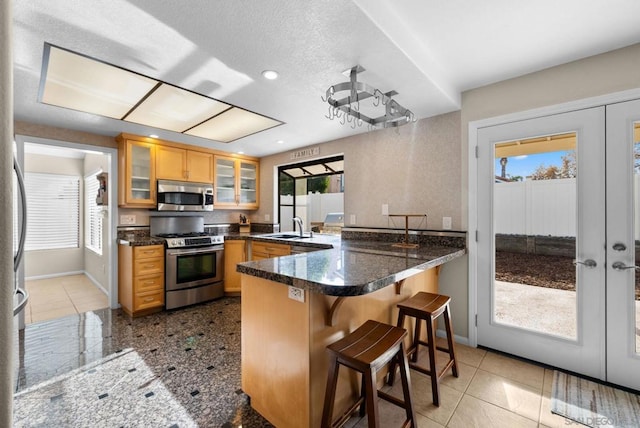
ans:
(428, 51)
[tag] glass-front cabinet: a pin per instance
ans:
(236, 183)
(137, 184)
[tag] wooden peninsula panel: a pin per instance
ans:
(284, 358)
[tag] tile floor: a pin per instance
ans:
(61, 296)
(192, 356)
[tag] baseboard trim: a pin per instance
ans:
(458, 339)
(53, 275)
(96, 283)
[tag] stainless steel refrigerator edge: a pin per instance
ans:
(7, 343)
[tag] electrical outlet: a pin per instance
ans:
(267, 217)
(296, 294)
(385, 209)
(446, 223)
(352, 218)
(128, 219)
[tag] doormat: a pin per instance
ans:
(593, 404)
(119, 390)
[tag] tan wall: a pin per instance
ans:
(62, 134)
(51, 262)
(411, 168)
(598, 75)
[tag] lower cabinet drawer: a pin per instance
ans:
(148, 267)
(142, 301)
(148, 283)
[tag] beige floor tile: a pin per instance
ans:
(472, 412)
(460, 383)
(514, 369)
(49, 315)
(90, 306)
(44, 306)
(548, 382)
(393, 416)
(549, 419)
(423, 399)
(506, 393)
(465, 354)
(61, 296)
(89, 298)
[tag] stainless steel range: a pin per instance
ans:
(194, 260)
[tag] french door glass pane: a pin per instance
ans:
(534, 201)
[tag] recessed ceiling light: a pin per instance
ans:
(279, 142)
(240, 152)
(270, 74)
(153, 136)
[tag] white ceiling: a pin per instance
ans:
(429, 51)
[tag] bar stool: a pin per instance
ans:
(428, 307)
(366, 350)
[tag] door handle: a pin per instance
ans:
(622, 266)
(590, 263)
(619, 246)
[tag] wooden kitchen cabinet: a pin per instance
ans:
(141, 279)
(235, 251)
(266, 250)
(173, 163)
(236, 183)
(137, 177)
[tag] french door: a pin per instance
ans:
(557, 241)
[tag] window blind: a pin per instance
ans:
(92, 215)
(53, 206)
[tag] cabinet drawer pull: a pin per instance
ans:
(149, 266)
(148, 299)
(149, 251)
(150, 282)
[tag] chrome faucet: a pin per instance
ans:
(298, 221)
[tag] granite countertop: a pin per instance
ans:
(137, 241)
(352, 268)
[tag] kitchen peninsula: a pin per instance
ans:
(294, 306)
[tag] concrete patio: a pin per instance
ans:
(529, 307)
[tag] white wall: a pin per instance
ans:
(59, 261)
(95, 265)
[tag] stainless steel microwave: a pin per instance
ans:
(184, 196)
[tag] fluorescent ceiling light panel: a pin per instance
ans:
(82, 83)
(175, 109)
(74, 81)
(232, 125)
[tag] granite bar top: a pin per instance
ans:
(353, 268)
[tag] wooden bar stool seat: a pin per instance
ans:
(367, 350)
(428, 307)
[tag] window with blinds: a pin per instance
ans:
(53, 207)
(92, 215)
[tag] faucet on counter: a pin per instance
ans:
(298, 221)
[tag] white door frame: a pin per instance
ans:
(112, 209)
(472, 213)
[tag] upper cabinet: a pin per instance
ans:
(236, 183)
(137, 178)
(199, 167)
(143, 161)
(183, 165)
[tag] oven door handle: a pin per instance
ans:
(187, 251)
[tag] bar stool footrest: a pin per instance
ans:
(347, 414)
